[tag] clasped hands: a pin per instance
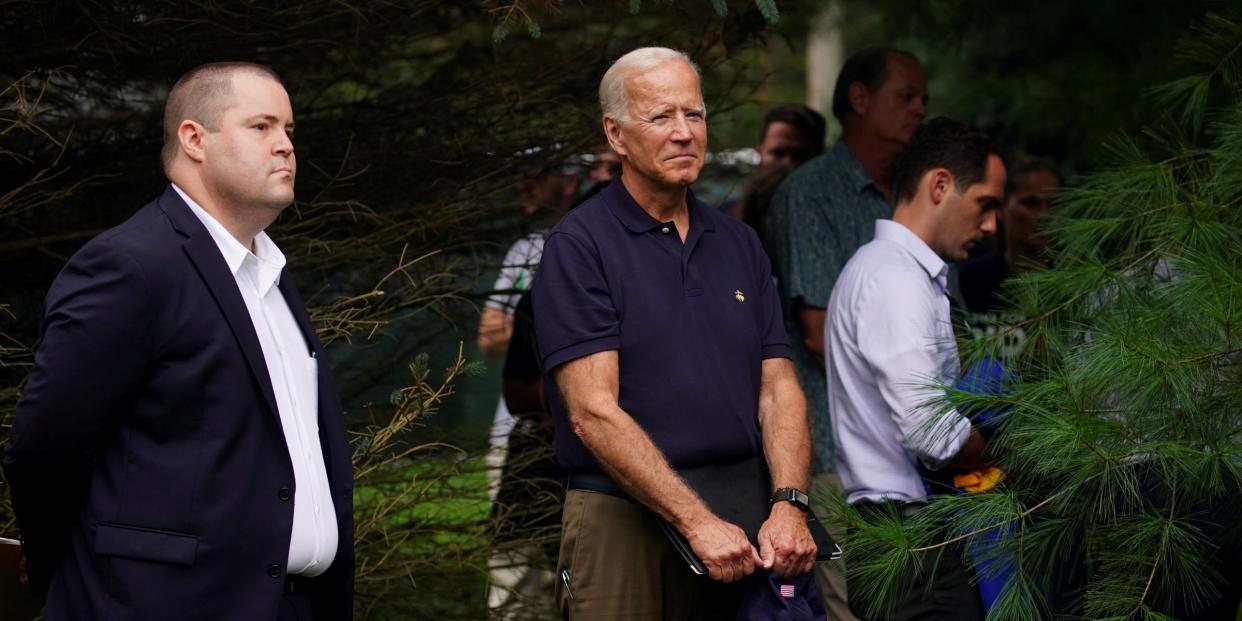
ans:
(785, 545)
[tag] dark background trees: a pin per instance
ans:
(1055, 79)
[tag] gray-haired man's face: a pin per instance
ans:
(665, 138)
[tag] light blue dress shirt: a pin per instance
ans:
(888, 342)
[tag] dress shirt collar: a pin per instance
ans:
(267, 259)
(927, 258)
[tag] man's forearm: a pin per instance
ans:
(783, 423)
(785, 542)
(627, 454)
(495, 330)
(622, 448)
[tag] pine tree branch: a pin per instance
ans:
(1210, 356)
(1151, 577)
(1076, 297)
(985, 529)
(1155, 566)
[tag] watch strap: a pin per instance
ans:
(792, 495)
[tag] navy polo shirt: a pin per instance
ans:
(692, 323)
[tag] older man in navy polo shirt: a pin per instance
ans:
(657, 321)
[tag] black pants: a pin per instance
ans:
(295, 602)
(942, 588)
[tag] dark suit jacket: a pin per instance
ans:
(147, 465)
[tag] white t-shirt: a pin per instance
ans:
(516, 272)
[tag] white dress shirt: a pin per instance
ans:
(293, 370)
(888, 339)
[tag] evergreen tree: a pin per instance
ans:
(1120, 424)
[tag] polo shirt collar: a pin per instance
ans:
(637, 220)
(858, 177)
(267, 259)
(927, 258)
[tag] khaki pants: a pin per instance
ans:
(615, 563)
(830, 575)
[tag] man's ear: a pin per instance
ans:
(939, 184)
(859, 97)
(190, 135)
(612, 130)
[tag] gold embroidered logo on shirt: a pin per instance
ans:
(741, 297)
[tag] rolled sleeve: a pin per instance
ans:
(575, 314)
(908, 364)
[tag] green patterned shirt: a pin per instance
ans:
(819, 217)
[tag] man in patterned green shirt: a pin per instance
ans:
(822, 214)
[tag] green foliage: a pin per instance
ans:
(768, 8)
(1122, 426)
(1054, 79)
(420, 512)
(1202, 51)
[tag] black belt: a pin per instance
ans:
(592, 482)
(903, 508)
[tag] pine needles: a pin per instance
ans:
(1120, 422)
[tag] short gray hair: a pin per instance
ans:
(613, 98)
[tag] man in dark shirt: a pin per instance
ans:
(659, 326)
(791, 135)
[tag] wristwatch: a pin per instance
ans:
(794, 496)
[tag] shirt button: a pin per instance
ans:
(273, 570)
(284, 494)
(664, 229)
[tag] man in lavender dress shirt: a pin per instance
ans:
(889, 337)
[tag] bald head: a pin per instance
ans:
(202, 95)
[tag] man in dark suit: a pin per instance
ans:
(180, 450)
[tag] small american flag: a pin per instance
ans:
(787, 590)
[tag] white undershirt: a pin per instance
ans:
(293, 370)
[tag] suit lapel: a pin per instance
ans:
(206, 257)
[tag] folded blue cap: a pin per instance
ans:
(772, 597)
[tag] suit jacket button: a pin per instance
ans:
(284, 493)
(273, 570)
